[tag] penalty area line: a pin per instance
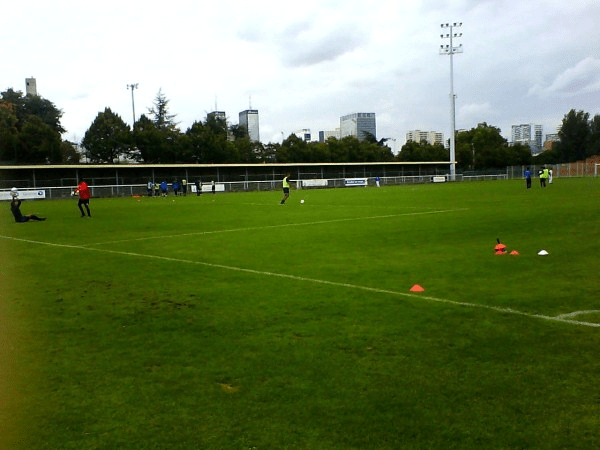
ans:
(562, 318)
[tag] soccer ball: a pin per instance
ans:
(301, 201)
(14, 192)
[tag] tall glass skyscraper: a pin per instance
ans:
(358, 125)
(249, 120)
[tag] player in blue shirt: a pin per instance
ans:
(527, 175)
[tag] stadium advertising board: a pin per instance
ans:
(30, 194)
(314, 183)
(355, 182)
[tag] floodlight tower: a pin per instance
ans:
(132, 87)
(451, 50)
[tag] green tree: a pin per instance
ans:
(45, 110)
(293, 149)
(465, 150)
(518, 155)
(238, 131)
(247, 151)
(208, 143)
(483, 147)
(574, 135)
(160, 113)
(551, 156)
(108, 138)
(30, 128)
(150, 143)
(9, 134)
(69, 154)
(422, 151)
(490, 147)
(338, 151)
(269, 152)
(593, 145)
(38, 143)
(34, 105)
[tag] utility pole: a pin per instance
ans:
(451, 50)
(132, 87)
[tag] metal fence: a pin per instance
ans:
(98, 190)
(587, 168)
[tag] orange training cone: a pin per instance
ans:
(514, 252)
(417, 288)
(500, 248)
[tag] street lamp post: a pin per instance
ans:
(132, 87)
(451, 50)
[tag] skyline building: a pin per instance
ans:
(324, 135)
(358, 125)
(30, 86)
(249, 120)
(529, 134)
(304, 134)
(218, 115)
(431, 137)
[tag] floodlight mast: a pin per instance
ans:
(451, 50)
(132, 87)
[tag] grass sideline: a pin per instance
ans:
(230, 321)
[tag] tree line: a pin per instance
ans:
(156, 139)
(30, 132)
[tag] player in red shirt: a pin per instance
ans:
(84, 197)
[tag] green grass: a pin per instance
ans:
(231, 322)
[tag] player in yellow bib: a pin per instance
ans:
(544, 177)
(286, 188)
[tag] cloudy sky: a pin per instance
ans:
(305, 64)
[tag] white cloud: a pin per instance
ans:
(306, 65)
(583, 78)
(473, 113)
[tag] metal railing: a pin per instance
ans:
(129, 190)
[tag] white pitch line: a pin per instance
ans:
(317, 281)
(579, 313)
(264, 227)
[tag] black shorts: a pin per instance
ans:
(286, 190)
(84, 201)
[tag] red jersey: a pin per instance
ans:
(83, 190)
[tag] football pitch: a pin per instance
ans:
(230, 321)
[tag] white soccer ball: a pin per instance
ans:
(14, 192)
(301, 201)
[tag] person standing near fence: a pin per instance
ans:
(150, 188)
(527, 175)
(198, 187)
(184, 187)
(84, 193)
